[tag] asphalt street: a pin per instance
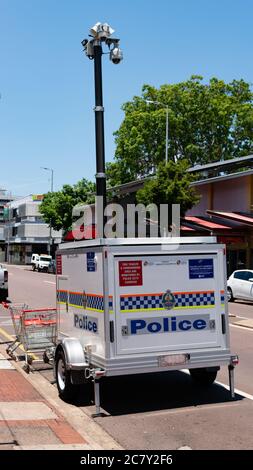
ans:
(159, 411)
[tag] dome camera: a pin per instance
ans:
(116, 55)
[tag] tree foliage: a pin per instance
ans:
(171, 185)
(207, 123)
(57, 207)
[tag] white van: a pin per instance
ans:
(40, 262)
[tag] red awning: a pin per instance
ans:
(233, 216)
(207, 224)
(186, 229)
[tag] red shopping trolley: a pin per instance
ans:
(35, 332)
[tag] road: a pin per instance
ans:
(160, 411)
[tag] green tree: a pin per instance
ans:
(57, 207)
(170, 185)
(207, 123)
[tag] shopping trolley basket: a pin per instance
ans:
(16, 311)
(35, 331)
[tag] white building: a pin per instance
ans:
(25, 232)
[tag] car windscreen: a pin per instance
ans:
(45, 259)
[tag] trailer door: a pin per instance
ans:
(169, 302)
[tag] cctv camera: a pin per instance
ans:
(101, 31)
(116, 55)
(90, 50)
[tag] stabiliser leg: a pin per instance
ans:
(97, 399)
(231, 381)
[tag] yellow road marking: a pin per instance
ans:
(11, 338)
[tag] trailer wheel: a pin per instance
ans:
(66, 389)
(230, 295)
(203, 376)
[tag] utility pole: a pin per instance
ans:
(50, 225)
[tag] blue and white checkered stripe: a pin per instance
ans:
(93, 301)
(62, 296)
(154, 301)
(76, 299)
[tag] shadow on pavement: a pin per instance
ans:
(152, 392)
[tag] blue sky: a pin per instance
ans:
(47, 85)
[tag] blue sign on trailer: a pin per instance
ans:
(91, 264)
(201, 268)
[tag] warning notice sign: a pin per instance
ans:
(58, 264)
(130, 273)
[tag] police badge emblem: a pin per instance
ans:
(168, 300)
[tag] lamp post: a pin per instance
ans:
(167, 125)
(93, 48)
(52, 190)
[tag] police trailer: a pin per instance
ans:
(135, 306)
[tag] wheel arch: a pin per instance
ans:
(74, 353)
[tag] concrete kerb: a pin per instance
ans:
(94, 435)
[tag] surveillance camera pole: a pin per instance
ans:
(101, 33)
(99, 124)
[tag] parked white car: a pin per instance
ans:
(240, 285)
(3, 283)
(40, 262)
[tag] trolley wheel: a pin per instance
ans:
(30, 360)
(45, 358)
(203, 376)
(66, 389)
(26, 368)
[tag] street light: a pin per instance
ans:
(100, 33)
(52, 190)
(52, 176)
(167, 124)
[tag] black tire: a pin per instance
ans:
(203, 376)
(230, 295)
(33, 267)
(4, 294)
(67, 391)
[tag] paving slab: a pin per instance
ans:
(34, 435)
(4, 363)
(25, 411)
(6, 437)
(54, 447)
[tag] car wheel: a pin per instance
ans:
(4, 295)
(203, 376)
(66, 389)
(230, 295)
(33, 267)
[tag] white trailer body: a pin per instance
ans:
(130, 306)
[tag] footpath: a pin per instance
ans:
(33, 417)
